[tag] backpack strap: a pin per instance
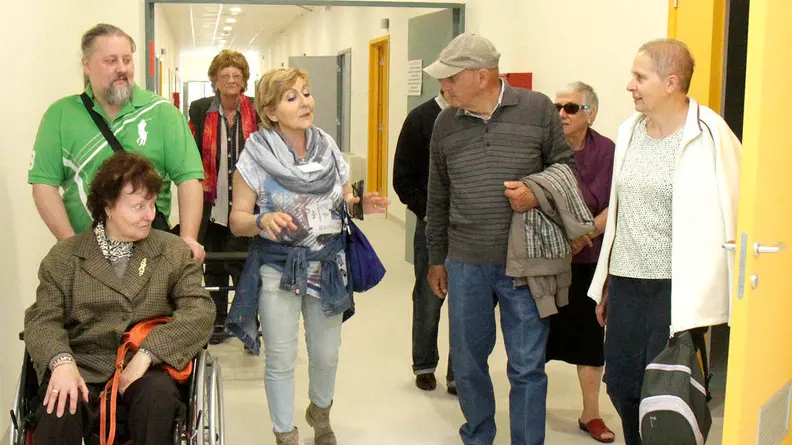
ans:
(700, 342)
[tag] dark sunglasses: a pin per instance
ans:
(572, 108)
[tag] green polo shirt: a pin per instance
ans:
(70, 148)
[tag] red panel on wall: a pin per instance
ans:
(520, 80)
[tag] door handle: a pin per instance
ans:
(758, 248)
(730, 246)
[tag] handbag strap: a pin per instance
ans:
(108, 437)
(111, 138)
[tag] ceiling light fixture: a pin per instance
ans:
(192, 26)
(227, 28)
(230, 20)
(217, 23)
(235, 10)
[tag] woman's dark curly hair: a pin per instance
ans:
(115, 173)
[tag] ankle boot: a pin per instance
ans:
(292, 438)
(319, 419)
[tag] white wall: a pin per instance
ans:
(42, 57)
(580, 40)
(164, 39)
(594, 42)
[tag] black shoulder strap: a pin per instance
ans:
(100, 122)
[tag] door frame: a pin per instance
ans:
(458, 10)
(378, 106)
(344, 114)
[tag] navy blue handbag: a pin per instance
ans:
(365, 268)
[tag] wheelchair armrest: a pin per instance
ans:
(22, 336)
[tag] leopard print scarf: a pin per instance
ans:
(112, 250)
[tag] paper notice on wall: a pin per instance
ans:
(414, 77)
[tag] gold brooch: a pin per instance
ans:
(142, 268)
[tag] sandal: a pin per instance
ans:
(596, 428)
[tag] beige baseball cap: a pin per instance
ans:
(466, 51)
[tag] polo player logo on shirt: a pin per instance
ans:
(142, 134)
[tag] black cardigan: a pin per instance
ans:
(411, 161)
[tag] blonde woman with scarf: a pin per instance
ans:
(289, 191)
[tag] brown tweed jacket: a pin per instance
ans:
(82, 307)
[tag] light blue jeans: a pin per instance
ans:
(279, 312)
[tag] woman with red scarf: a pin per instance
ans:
(221, 124)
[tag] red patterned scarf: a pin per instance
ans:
(209, 145)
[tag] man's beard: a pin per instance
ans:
(119, 95)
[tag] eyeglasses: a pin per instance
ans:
(226, 77)
(572, 108)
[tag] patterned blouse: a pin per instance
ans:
(642, 247)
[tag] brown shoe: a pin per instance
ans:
(319, 419)
(292, 438)
(426, 382)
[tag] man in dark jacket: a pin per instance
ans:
(410, 179)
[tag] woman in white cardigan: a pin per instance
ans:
(662, 268)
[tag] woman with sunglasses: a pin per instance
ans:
(575, 335)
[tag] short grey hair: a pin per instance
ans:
(101, 30)
(671, 56)
(589, 96)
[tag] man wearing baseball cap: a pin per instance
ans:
(490, 138)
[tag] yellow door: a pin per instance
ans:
(379, 70)
(701, 25)
(760, 352)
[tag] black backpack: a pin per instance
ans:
(674, 396)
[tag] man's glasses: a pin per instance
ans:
(572, 108)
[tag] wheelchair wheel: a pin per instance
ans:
(19, 432)
(206, 403)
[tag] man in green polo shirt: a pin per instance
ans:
(70, 148)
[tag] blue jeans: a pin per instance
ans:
(472, 324)
(280, 321)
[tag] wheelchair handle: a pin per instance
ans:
(219, 288)
(225, 256)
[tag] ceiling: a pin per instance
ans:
(203, 26)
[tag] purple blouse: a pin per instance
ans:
(595, 170)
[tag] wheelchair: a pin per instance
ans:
(203, 396)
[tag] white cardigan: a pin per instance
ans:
(704, 216)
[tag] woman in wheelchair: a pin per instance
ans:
(94, 287)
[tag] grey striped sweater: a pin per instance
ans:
(468, 215)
